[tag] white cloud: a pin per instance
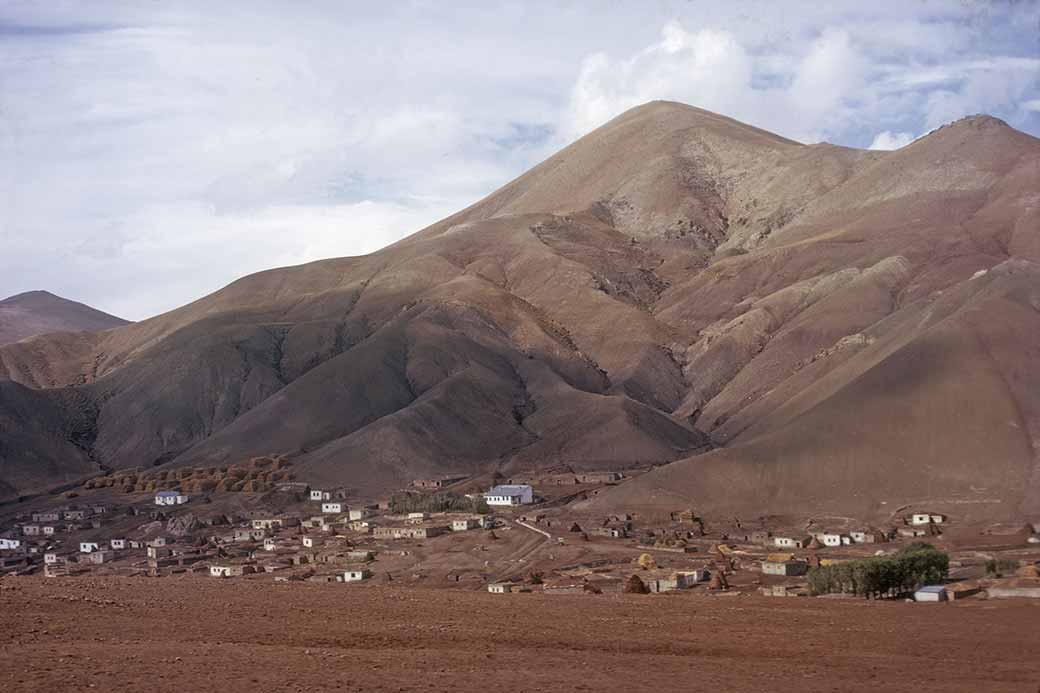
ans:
(888, 141)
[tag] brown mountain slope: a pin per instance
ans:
(671, 274)
(40, 312)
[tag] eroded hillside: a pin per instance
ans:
(847, 325)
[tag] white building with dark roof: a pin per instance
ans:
(510, 494)
(170, 498)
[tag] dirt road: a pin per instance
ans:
(196, 633)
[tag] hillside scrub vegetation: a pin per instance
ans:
(436, 503)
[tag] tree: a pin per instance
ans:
(647, 562)
(917, 564)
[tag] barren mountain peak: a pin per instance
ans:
(673, 281)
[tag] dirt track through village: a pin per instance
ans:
(195, 633)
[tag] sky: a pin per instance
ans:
(153, 151)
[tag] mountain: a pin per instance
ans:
(39, 312)
(772, 325)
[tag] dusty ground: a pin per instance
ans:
(196, 633)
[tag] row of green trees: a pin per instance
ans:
(883, 576)
(408, 502)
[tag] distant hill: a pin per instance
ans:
(775, 326)
(40, 312)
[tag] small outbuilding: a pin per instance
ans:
(356, 575)
(930, 593)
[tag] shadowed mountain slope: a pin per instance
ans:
(853, 327)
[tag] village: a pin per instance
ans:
(518, 535)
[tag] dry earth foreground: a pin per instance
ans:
(775, 326)
(188, 633)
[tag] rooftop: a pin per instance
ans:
(932, 589)
(509, 490)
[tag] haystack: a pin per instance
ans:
(1028, 571)
(718, 581)
(634, 585)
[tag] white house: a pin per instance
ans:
(356, 575)
(170, 498)
(465, 524)
(510, 494)
(6, 543)
(790, 543)
(88, 546)
(117, 544)
(500, 587)
(828, 539)
(158, 541)
(31, 530)
(310, 542)
(50, 558)
(359, 513)
(334, 507)
(270, 544)
(334, 494)
(867, 536)
(48, 530)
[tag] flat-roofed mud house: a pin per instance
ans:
(415, 532)
(791, 542)
(868, 536)
(465, 524)
(356, 574)
(783, 566)
(102, 556)
(226, 570)
(440, 482)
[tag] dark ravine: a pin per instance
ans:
(855, 327)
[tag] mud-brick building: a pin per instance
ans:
(791, 542)
(413, 532)
(785, 568)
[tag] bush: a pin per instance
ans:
(1000, 567)
(913, 566)
(436, 503)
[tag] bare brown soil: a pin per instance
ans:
(196, 633)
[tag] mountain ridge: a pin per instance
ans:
(672, 282)
(33, 313)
